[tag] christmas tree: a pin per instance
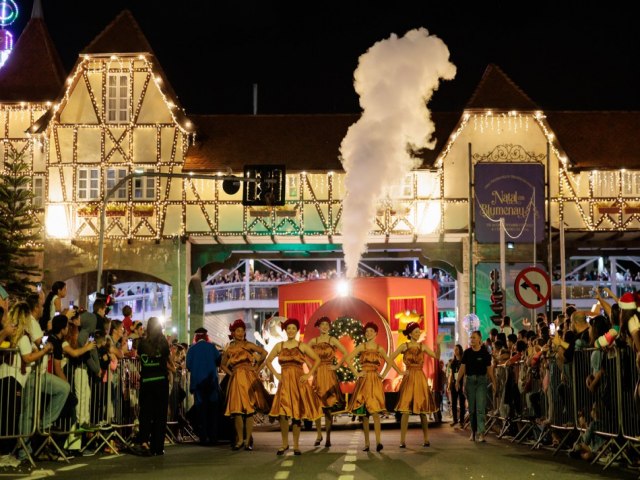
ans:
(19, 230)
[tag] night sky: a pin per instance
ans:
(302, 56)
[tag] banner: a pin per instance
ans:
(515, 192)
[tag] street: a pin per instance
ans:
(450, 456)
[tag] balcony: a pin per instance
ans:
(230, 296)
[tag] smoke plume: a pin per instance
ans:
(395, 79)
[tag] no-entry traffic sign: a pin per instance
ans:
(532, 287)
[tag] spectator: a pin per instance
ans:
(127, 323)
(56, 389)
(457, 395)
(52, 304)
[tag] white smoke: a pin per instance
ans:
(395, 79)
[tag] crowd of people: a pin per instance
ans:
(46, 339)
(530, 372)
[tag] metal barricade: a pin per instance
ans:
(17, 411)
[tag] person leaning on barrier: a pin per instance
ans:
(580, 327)
(630, 327)
(53, 387)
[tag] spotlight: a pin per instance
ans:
(511, 245)
(343, 288)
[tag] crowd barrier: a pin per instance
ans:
(551, 405)
(89, 412)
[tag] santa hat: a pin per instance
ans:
(627, 302)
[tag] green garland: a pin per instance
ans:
(353, 328)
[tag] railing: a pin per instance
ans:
(229, 292)
(150, 303)
(555, 407)
(578, 289)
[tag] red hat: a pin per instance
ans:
(371, 325)
(322, 319)
(410, 328)
(290, 321)
(238, 323)
(627, 302)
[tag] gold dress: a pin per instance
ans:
(294, 399)
(246, 393)
(368, 395)
(325, 381)
(415, 395)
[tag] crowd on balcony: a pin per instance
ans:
(289, 275)
(626, 276)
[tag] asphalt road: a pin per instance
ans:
(450, 456)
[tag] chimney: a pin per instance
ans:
(255, 98)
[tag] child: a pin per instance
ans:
(589, 442)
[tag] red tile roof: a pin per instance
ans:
(301, 142)
(34, 71)
(602, 140)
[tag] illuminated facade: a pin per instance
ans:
(116, 113)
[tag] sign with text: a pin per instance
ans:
(515, 192)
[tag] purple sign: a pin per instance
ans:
(515, 192)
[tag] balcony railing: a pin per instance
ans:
(232, 292)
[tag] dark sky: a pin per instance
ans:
(564, 55)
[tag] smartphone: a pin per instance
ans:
(39, 287)
(91, 339)
(129, 343)
(552, 329)
(45, 339)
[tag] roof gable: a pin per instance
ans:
(122, 35)
(34, 71)
(497, 91)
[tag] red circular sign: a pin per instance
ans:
(532, 287)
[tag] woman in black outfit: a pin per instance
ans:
(153, 351)
(457, 396)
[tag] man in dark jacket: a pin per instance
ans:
(203, 359)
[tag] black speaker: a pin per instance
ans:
(231, 186)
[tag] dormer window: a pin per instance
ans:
(117, 98)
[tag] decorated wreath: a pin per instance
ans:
(353, 328)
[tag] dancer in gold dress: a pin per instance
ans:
(415, 396)
(246, 394)
(325, 381)
(368, 395)
(295, 398)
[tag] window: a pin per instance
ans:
(114, 175)
(38, 192)
(88, 184)
(630, 184)
(144, 188)
(117, 98)
(404, 189)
